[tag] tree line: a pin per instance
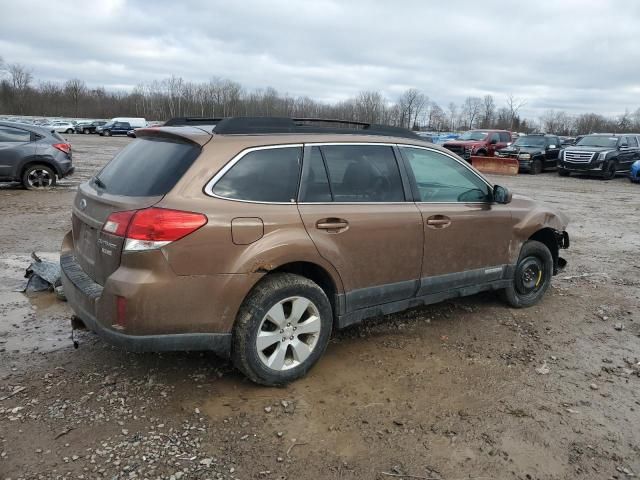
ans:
(22, 94)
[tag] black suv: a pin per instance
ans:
(534, 152)
(601, 155)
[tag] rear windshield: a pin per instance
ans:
(146, 168)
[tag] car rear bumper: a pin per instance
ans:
(93, 304)
(68, 172)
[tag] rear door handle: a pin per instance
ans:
(332, 224)
(438, 221)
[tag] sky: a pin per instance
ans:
(572, 55)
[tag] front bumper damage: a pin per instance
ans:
(563, 242)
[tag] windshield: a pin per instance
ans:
(473, 136)
(598, 141)
(529, 142)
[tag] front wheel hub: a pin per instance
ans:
(529, 275)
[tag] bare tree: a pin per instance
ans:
(514, 105)
(75, 89)
(488, 111)
(452, 111)
(370, 107)
(411, 104)
(471, 109)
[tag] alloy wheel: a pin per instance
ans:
(288, 333)
(39, 178)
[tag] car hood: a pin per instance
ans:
(463, 143)
(519, 149)
(577, 148)
(532, 215)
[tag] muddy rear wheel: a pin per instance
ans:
(282, 329)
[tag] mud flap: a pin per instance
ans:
(496, 165)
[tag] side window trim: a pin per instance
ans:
(414, 185)
(208, 188)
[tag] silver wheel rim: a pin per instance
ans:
(288, 333)
(39, 178)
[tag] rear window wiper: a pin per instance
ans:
(99, 182)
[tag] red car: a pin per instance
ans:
(481, 143)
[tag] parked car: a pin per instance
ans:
(33, 155)
(634, 174)
(62, 127)
(113, 128)
(89, 127)
(135, 122)
(534, 152)
(602, 155)
(479, 143)
(258, 246)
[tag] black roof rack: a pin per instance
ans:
(264, 125)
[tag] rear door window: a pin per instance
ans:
(633, 143)
(363, 173)
(14, 135)
(147, 167)
(316, 184)
(504, 137)
(265, 175)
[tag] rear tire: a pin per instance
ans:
(282, 329)
(532, 276)
(69, 130)
(38, 177)
(86, 131)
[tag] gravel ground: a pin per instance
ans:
(467, 389)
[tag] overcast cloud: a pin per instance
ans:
(573, 55)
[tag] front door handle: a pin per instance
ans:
(332, 224)
(438, 221)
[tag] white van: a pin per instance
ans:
(134, 122)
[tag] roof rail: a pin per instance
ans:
(265, 125)
(184, 121)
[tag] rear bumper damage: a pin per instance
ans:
(84, 295)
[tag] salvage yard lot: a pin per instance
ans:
(464, 389)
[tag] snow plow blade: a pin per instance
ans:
(496, 165)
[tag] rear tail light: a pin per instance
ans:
(63, 147)
(152, 227)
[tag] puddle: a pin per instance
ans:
(37, 322)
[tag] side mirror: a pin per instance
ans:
(501, 194)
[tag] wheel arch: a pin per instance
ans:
(548, 237)
(320, 276)
(38, 161)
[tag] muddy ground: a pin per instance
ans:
(467, 389)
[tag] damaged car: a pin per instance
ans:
(256, 238)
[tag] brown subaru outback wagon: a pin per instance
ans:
(256, 237)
